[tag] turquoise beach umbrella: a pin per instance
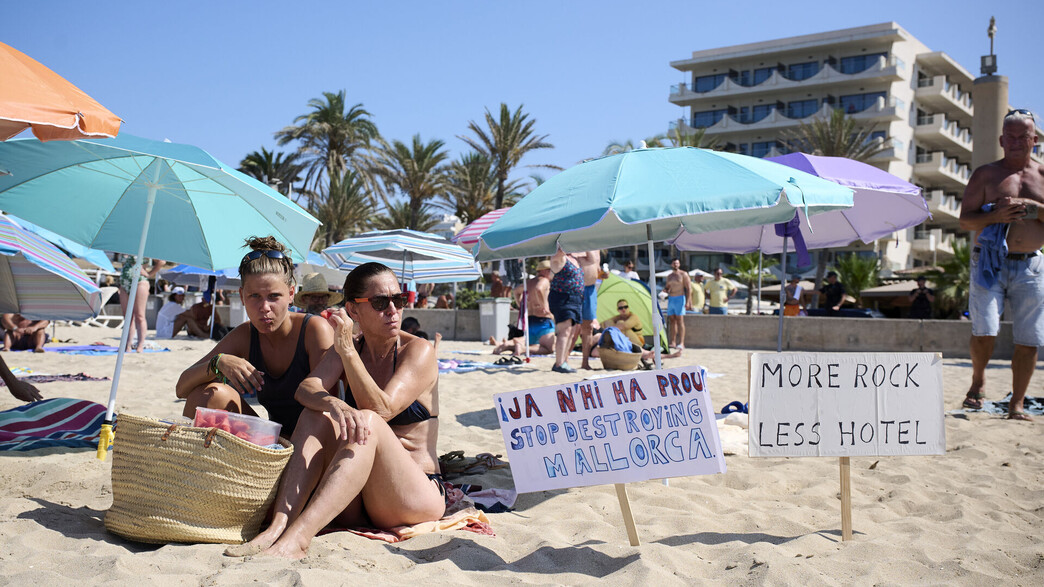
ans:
(650, 195)
(149, 199)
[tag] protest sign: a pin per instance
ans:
(631, 427)
(846, 404)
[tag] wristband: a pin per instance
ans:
(213, 367)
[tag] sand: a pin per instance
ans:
(973, 516)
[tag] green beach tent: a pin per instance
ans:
(615, 288)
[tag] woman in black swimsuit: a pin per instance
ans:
(270, 355)
(371, 460)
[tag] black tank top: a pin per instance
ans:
(277, 393)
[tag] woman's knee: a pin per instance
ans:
(214, 396)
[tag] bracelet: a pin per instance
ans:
(213, 367)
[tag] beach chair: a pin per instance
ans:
(104, 318)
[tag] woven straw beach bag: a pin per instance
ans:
(185, 484)
(614, 359)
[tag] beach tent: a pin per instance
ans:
(615, 288)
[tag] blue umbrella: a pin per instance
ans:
(102, 193)
(649, 195)
(188, 275)
(421, 257)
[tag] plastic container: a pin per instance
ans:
(250, 428)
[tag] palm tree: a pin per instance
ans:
(330, 136)
(697, 138)
(615, 147)
(504, 142)
(277, 169)
(346, 209)
(953, 281)
(401, 215)
(416, 172)
(838, 136)
(472, 187)
(857, 272)
(745, 269)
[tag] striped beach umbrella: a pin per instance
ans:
(468, 237)
(421, 257)
(39, 281)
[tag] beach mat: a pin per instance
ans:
(53, 378)
(1031, 405)
(94, 349)
(55, 422)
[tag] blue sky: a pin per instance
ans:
(225, 75)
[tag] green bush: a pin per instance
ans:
(467, 299)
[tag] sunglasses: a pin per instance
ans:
(1022, 111)
(253, 255)
(622, 307)
(380, 303)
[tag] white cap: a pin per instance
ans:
(178, 290)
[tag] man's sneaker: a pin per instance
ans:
(563, 368)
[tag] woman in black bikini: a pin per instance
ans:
(371, 459)
(275, 340)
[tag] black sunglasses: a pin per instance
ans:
(1019, 111)
(622, 307)
(252, 255)
(380, 303)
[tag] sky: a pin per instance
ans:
(225, 75)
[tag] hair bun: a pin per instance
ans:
(265, 243)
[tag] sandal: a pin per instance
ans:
(1019, 415)
(503, 361)
(973, 401)
(452, 462)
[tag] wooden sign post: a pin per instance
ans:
(845, 405)
(612, 430)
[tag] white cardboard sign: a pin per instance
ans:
(631, 427)
(846, 404)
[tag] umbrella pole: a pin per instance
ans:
(655, 300)
(523, 308)
(759, 282)
(106, 437)
(782, 297)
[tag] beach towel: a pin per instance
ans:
(95, 349)
(53, 378)
(55, 422)
(1031, 405)
(459, 366)
(993, 249)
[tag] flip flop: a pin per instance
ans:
(503, 361)
(735, 406)
(974, 402)
(1019, 415)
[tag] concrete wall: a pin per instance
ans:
(949, 337)
(452, 324)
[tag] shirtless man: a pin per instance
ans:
(590, 262)
(541, 320)
(679, 297)
(1008, 193)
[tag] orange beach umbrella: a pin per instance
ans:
(32, 96)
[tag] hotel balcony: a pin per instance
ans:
(938, 131)
(888, 70)
(945, 208)
(932, 240)
(939, 94)
(937, 168)
(882, 110)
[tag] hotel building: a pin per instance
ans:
(753, 98)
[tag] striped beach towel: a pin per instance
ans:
(56, 422)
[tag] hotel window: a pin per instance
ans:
(801, 71)
(802, 108)
(859, 102)
(706, 83)
(760, 112)
(743, 148)
(707, 118)
(762, 148)
(860, 63)
(763, 73)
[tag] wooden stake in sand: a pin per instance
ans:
(625, 509)
(846, 499)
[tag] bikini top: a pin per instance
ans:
(413, 413)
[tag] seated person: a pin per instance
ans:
(314, 295)
(369, 460)
(269, 355)
(445, 301)
(21, 390)
(22, 334)
(172, 308)
(627, 322)
(197, 320)
(412, 326)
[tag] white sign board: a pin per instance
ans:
(632, 427)
(846, 404)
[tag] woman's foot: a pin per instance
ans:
(1019, 415)
(261, 542)
(974, 399)
(286, 547)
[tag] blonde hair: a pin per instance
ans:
(265, 265)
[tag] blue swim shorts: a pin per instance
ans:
(722, 310)
(1021, 283)
(676, 305)
(538, 327)
(564, 306)
(590, 308)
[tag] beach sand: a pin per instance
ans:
(973, 516)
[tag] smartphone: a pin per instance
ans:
(1031, 211)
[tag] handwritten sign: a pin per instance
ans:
(633, 427)
(846, 404)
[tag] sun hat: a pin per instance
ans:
(315, 283)
(545, 264)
